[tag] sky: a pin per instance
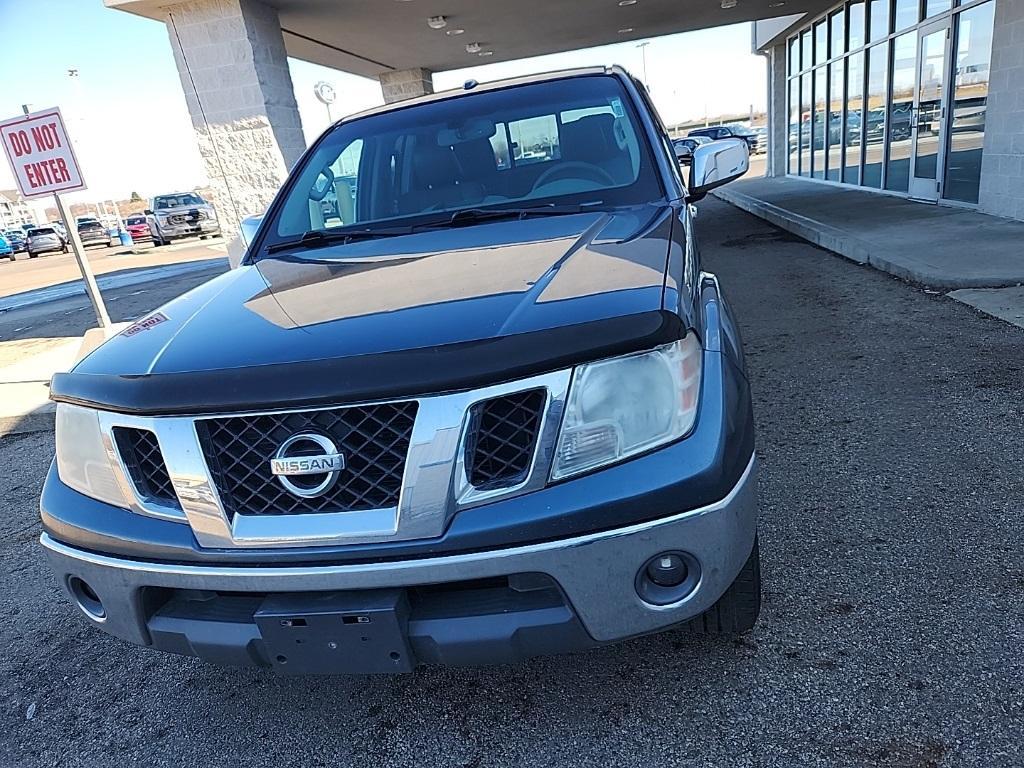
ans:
(125, 109)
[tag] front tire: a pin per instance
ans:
(737, 610)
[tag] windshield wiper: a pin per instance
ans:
(319, 238)
(470, 216)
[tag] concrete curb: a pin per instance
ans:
(106, 282)
(839, 241)
(29, 423)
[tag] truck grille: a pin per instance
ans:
(374, 440)
(141, 455)
(503, 438)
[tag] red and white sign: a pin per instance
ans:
(40, 154)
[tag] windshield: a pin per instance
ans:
(40, 232)
(177, 201)
(574, 141)
(741, 130)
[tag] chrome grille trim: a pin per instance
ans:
(434, 484)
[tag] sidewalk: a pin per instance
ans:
(935, 246)
(26, 367)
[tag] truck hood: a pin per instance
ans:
(545, 289)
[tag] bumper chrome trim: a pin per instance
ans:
(596, 571)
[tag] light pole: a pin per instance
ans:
(643, 57)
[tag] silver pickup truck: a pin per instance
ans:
(182, 214)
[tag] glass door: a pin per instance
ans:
(928, 116)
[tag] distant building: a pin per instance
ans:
(14, 211)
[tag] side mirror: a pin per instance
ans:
(684, 154)
(248, 227)
(716, 164)
(148, 212)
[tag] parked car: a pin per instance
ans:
(16, 239)
(182, 214)
(685, 147)
(731, 131)
(44, 240)
(6, 249)
(138, 228)
(496, 414)
(92, 232)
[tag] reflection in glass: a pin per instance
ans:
(794, 126)
(805, 124)
(970, 97)
(935, 7)
(874, 120)
(856, 24)
(854, 98)
(900, 111)
(820, 42)
(794, 55)
(906, 14)
(837, 38)
(879, 19)
(806, 52)
(930, 93)
(819, 130)
(834, 159)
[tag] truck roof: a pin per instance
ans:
(491, 85)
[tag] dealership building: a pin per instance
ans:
(916, 98)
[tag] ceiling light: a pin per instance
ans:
(776, 5)
(486, 53)
(625, 30)
(729, 4)
(437, 22)
(456, 31)
(624, 3)
(473, 48)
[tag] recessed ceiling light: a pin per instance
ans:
(729, 4)
(454, 32)
(473, 48)
(624, 3)
(776, 5)
(486, 53)
(437, 22)
(625, 30)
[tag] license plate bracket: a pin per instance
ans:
(337, 632)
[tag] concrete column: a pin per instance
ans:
(406, 84)
(234, 71)
(1002, 161)
(778, 127)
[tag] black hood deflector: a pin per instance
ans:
(388, 375)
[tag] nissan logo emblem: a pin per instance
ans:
(307, 465)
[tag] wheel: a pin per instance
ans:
(203, 237)
(737, 610)
(33, 255)
(157, 241)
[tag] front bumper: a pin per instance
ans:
(190, 229)
(595, 575)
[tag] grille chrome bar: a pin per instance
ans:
(434, 481)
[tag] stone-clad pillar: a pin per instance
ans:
(234, 71)
(405, 84)
(778, 118)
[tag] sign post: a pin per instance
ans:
(44, 163)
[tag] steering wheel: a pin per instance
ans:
(571, 168)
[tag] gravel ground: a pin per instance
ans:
(889, 431)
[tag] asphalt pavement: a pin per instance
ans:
(889, 423)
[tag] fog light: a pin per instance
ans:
(668, 578)
(86, 599)
(667, 570)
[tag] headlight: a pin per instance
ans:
(82, 460)
(621, 407)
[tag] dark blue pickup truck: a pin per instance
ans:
(469, 398)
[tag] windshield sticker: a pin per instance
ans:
(145, 324)
(617, 108)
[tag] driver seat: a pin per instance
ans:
(591, 140)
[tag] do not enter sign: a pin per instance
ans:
(40, 154)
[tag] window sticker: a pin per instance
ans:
(617, 108)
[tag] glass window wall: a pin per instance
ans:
(834, 132)
(854, 110)
(874, 116)
(820, 128)
(901, 109)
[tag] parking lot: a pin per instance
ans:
(889, 423)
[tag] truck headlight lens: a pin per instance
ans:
(82, 460)
(620, 407)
